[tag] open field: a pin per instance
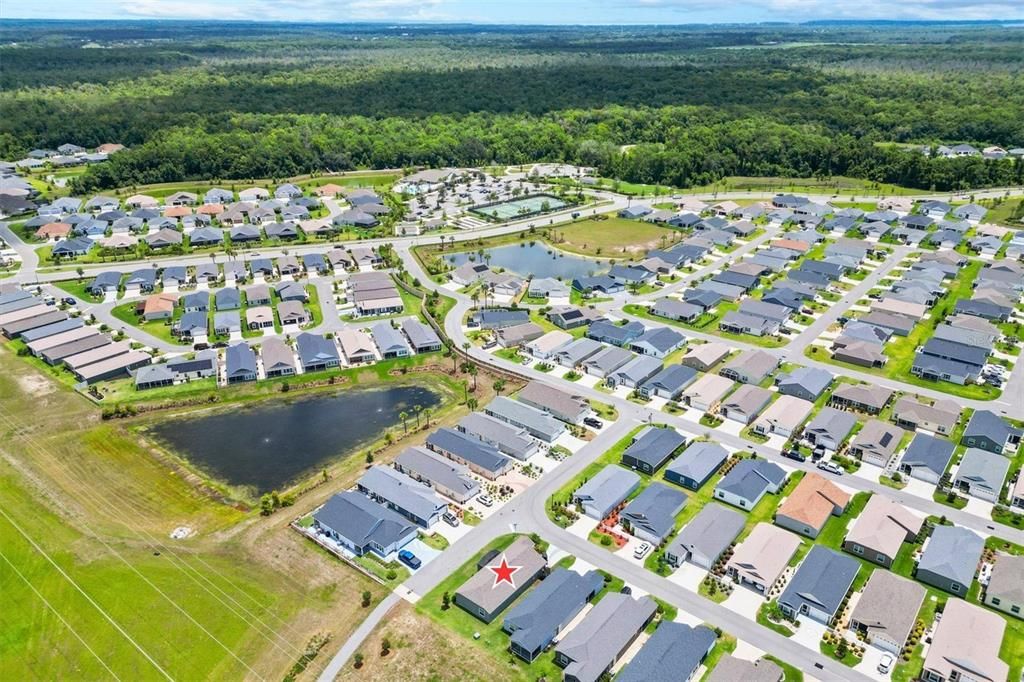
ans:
(93, 583)
(610, 238)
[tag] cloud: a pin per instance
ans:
(287, 10)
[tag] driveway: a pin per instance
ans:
(744, 601)
(688, 575)
(809, 633)
(869, 664)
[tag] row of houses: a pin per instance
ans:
(64, 341)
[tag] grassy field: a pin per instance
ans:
(94, 587)
(611, 238)
(837, 185)
(160, 329)
(708, 324)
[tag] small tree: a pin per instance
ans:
(366, 598)
(385, 647)
(369, 457)
(357, 661)
(446, 601)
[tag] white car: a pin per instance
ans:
(830, 468)
(885, 664)
(485, 500)
(641, 551)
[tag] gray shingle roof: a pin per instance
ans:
(822, 580)
(953, 553)
(751, 477)
(360, 520)
(655, 508)
(611, 624)
(537, 618)
(710, 532)
(674, 651)
(699, 460)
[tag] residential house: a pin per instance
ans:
(808, 508)
(988, 431)
(657, 342)
(981, 474)
(510, 440)
(600, 495)
(259, 317)
(278, 358)
(389, 341)
(482, 458)
(760, 559)
(927, 458)
(606, 361)
(402, 494)
(829, 428)
(484, 598)
(706, 537)
(706, 392)
(356, 346)
(447, 477)
(939, 417)
(558, 403)
(750, 367)
(745, 403)
(360, 525)
(950, 559)
(537, 423)
(965, 645)
(804, 382)
(696, 464)
(421, 336)
(634, 373)
(239, 363)
(887, 611)
(819, 586)
(675, 651)
(651, 515)
(536, 620)
(228, 298)
(733, 669)
(703, 357)
(877, 443)
(783, 417)
(748, 481)
(292, 313)
(591, 648)
(316, 352)
(669, 383)
(651, 448)
(881, 529)
(1005, 589)
(860, 397)
(159, 307)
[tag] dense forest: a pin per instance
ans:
(683, 106)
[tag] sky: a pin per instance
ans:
(519, 11)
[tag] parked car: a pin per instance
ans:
(641, 551)
(593, 422)
(485, 500)
(830, 468)
(885, 664)
(451, 519)
(69, 300)
(795, 455)
(409, 559)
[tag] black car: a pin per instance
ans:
(795, 455)
(68, 300)
(593, 422)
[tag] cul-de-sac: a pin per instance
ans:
(580, 341)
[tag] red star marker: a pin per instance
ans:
(503, 573)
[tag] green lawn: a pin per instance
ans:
(708, 324)
(160, 329)
(488, 637)
(611, 237)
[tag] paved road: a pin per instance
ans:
(356, 639)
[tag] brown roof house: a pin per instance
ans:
(881, 529)
(939, 417)
(877, 442)
(810, 505)
(887, 610)
(484, 597)
(159, 307)
(965, 645)
(762, 557)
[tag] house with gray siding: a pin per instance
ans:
(442, 474)
(543, 613)
(651, 515)
(820, 585)
(360, 525)
(950, 559)
(537, 423)
(510, 440)
(402, 494)
(696, 464)
(748, 481)
(592, 647)
(675, 651)
(706, 537)
(605, 491)
(651, 448)
(981, 474)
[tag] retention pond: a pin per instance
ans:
(267, 446)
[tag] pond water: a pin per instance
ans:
(537, 259)
(267, 446)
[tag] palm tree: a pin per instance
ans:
(499, 386)
(404, 416)
(473, 371)
(426, 417)
(417, 409)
